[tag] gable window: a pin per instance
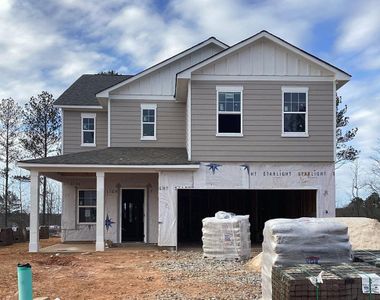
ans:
(86, 206)
(229, 111)
(148, 121)
(295, 112)
(88, 130)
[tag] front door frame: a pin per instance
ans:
(145, 211)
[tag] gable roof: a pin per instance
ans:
(340, 74)
(83, 91)
(211, 40)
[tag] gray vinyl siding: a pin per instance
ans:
(72, 131)
(262, 128)
(126, 124)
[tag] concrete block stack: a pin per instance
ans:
(297, 241)
(226, 236)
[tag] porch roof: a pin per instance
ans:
(115, 156)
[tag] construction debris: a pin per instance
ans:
(226, 236)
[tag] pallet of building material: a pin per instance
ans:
(339, 281)
(305, 240)
(368, 256)
(6, 236)
(226, 236)
(44, 232)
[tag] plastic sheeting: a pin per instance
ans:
(226, 236)
(316, 176)
(304, 240)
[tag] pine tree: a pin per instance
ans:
(42, 131)
(344, 151)
(9, 129)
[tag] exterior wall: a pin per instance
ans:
(162, 82)
(311, 176)
(262, 128)
(263, 57)
(126, 124)
(72, 131)
(72, 231)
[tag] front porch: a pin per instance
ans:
(109, 201)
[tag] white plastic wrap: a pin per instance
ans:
(226, 236)
(304, 240)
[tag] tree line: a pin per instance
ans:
(29, 131)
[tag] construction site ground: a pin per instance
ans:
(138, 272)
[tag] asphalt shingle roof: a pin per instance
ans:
(120, 156)
(83, 91)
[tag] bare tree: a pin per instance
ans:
(357, 184)
(374, 178)
(9, 128)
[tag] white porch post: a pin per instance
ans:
(34, 232)
(99, 211)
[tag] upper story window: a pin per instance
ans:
(89, 130)
(295, 111)
(229, 111)
(86, 206)
(148, 121)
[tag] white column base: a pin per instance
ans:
(34, 247)
(99, 246)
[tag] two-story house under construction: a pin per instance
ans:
(248, 128)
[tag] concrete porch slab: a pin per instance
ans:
(69, 247)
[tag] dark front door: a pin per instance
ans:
(132, 215)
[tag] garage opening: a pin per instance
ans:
(261, 205)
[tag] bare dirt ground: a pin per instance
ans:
(122, 273)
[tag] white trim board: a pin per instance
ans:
(261, 78)
(79, 106)
(211, 40)
(142, 97)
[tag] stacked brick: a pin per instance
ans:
(340, 281)
(371, 257)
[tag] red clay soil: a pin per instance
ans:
(118, 273)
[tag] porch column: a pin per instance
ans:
(99, 211)
(34, 230)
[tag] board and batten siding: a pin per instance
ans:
(126, 124)
(72, 131)
(262, 124)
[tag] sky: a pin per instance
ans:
(47, 45)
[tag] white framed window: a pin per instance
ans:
(148, 121)
(87, 206)
(295, 112)
(229, 111)
(88, 125)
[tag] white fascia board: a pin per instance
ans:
(83, 167)
(142, 97)
(79, 106)
(212, 40)
(339, 75)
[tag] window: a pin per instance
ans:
(86, 206)
(88, 129)
(148, 121)
(294, 112)
(229, 111)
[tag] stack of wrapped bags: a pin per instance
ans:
(299, 241)
(226, 236)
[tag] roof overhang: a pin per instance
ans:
(80, 168)
(340, 76)
(105, 93)
(79, 106)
